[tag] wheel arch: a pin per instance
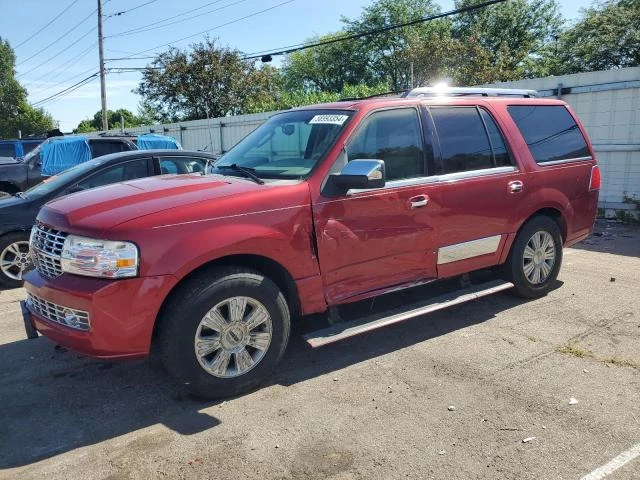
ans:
(9, 187)
(264, 265)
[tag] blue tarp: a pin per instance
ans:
(151, 141)
(58, 154)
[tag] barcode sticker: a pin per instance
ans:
(329, 119)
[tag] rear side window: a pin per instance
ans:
(7, 150)
(550, 132)
(469, 139)
(100, 148)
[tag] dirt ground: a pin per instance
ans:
(373, 407)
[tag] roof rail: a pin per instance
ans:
(469, 91)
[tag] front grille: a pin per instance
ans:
(46, 247)
(69, 317)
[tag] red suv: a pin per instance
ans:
(318, 207)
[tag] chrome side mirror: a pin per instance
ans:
(360, 174)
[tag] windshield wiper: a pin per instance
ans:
(248, 172)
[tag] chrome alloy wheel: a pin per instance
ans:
(233, 337)
(15, 260)
(539, 257)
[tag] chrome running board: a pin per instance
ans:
(340, 331)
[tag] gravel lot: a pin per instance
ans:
(371, 407)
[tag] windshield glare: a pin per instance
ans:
(289, 144)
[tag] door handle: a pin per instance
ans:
(515, 186)
(419, 201)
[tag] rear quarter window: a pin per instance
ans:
(550, 131)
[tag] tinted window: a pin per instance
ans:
(464, 144)
(119, 173)
(28, 146)
(500, 153)
(550, 132)
(7, 150)
(99, 148)
(395, 137)
(182, 164)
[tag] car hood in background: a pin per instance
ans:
(8, 161)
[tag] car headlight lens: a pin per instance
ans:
(99, 258)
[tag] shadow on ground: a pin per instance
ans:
(611, 236)
(53, 401)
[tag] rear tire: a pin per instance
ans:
(535, 258)
(224, 332)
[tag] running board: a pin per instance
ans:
(340, 331)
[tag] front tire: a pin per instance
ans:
(535, 258)
(224, 333)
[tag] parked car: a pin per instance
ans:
(19, 174)
(18, 148)
(318, 207)
(18, 212)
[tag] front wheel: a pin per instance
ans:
(223, 334)
(14, 259)
(535, 258)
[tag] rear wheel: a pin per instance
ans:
(535, 257)
(14, 259)
(223, 334)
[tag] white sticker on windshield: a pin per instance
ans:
(329, 119)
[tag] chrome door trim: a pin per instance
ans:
(464, 250)
(566, 160)
(446, 178)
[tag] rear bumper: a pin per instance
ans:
(122, 313)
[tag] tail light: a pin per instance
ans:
(596, 179)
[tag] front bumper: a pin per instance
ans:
(122, 313)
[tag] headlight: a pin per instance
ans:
(99, 258)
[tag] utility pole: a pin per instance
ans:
(103, 92)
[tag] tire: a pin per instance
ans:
(215, 359)
(14, 259)
(535, 258)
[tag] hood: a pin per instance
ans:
(97, 210)
(8, 161)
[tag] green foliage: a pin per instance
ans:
(606, 36)
(113, 118)
(15, 113)
(206, 81)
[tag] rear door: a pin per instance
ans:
(480, 187)
(372, 240)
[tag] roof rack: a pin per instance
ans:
(469, 91)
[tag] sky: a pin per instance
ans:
(55, 53)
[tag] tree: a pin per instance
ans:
(113, 117)
(606, 36)
(520, 34)
(206, 81)
(15, 113)
(387, 51)
(328, 68)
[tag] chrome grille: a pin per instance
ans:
(46, 247)
(69, 317)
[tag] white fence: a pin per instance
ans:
(607, 102)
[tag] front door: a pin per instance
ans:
(372, 240)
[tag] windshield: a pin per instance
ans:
(58, 181)
(34, 152)
(288, 145)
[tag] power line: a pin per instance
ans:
(291, 49)
(51, 58)
(56, 72)
(50, 22)
(176, 21)
(60, 37)
(167, 18)
(217, 26)
(75, 86)
(117, 14)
